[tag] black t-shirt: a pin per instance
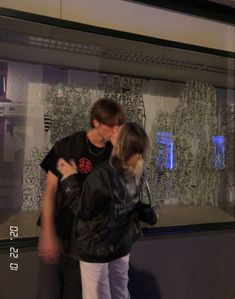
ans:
(86, 155)
(77, 147)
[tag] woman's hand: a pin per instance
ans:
(65, 168)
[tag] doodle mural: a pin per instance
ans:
(181, 168)
(128, 91)
(66, 111)
(229, 123)
(186, 155)
(33, 180)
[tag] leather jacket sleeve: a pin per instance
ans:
(90, 199)
(87, 200)
(71, 190)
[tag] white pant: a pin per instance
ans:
(105, 280)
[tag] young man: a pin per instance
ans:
(59, 273)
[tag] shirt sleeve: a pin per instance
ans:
(49, 162)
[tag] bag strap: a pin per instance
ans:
(149, 194)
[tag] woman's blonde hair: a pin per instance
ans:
(132, 141)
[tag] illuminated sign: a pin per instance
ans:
(165, 154)
(218, 152)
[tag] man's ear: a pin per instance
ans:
(95, 123)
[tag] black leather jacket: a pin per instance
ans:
(108, 213)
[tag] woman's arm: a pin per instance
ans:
(94, 196)
(88, 199)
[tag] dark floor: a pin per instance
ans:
(189, 266)
(21, 283)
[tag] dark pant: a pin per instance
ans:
(59, 281)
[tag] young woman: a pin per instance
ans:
(109, 213)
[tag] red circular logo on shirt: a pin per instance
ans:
(85, 165)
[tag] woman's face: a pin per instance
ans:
(114, 138)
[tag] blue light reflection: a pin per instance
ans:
(218, 152)
(165, 155)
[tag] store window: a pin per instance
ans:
(50, 77)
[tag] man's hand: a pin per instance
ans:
(49, 248)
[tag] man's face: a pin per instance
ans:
(105, 131)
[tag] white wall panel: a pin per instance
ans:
(49, 8)
(151, 21)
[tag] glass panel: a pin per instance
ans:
(50, 77)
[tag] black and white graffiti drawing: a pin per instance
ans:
(181, 168)
(33, 180)
(127, 91)
(229, 123)
(67, 110)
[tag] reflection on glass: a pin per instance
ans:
(218, 152)
(2, 85)
(165, 156)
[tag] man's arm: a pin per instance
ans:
(49, 247)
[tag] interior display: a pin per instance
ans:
(3, 81)
(34, 180)
(128, 91)
(182, 159)
(66, 111)
(229, 122)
